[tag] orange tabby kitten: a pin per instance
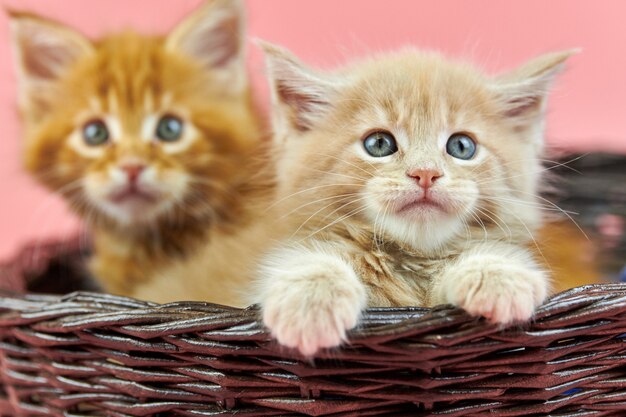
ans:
(408, 180)
(150, 139)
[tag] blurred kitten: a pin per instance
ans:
(407, 180)
(151, 140)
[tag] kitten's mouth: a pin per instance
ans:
(419, 204)
(133, 194)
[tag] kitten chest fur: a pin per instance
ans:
(394, 275)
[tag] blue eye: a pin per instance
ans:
(95, 133)
(169, 129)
(379, 144)
(461, 146)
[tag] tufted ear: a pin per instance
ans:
(215, 36)
(44, 52)
(523, 91)
(299, 95)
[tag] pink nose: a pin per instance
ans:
(425, 177)
(133, 171)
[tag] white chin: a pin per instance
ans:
(422, 214)
(424, 229)
(132, 212)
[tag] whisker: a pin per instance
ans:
(482, 224)
(312, 216)
(342, 218)
(317, 201)
(351, 164)
(560, 210)
(530, 234)
(336, 174)
(564, 164)
(308, 190)
(467, 229)
(378, 213)
(344, 205)
(557, 164)
(488, 213)
(525, 203)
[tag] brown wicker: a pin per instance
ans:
(88, 354)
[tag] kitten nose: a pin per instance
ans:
(425, 177)
(132, 171)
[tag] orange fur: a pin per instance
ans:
(568, 254)
(198, 185)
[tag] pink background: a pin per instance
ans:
(588, 108)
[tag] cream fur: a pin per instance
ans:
(334, 299)
(349, 244)
(499, 281)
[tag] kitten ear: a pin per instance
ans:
(44, 51)
(299, 95)
(524, 90)
(215, 36)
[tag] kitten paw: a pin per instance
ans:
(501, 292)
(313, 306)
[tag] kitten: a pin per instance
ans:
(151, 140)
(408, 180)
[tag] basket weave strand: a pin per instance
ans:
(94, 354)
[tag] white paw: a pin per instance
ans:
(313, 306)
(501, 292)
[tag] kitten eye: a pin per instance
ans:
(169, 129)
(379, 144)
(95, 133)
(461, 146)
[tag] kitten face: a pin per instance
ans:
(421, 149)
(134, 175)
(136, 129)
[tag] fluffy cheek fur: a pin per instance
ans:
(508, 205)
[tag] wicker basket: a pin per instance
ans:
(89, 354)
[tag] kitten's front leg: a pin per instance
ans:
(495, 280)
(310, 298)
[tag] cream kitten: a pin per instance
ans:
(408, 180)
